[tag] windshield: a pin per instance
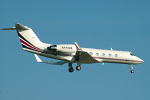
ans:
(131, 54)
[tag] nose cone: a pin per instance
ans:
(140, 61)
(137, 60)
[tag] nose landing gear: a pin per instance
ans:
(132, 71)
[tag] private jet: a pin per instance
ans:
(71, 53)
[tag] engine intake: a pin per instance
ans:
(52, 48)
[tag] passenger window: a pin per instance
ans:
(103, 54)
(109, 55)
(116, 55)
(97, 54)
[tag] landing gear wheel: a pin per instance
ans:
(132, 71)
(71, 69)
(78, 68)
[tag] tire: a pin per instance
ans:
(70, 69)
(78, 68)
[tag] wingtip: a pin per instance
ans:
(77, 46)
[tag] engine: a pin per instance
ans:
(62, 48)
(52, 48)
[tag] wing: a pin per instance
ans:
(82, 56)
(85, 57)
(50, 62)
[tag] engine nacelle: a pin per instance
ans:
(62, 48)
(52, 48)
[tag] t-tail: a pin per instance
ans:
(30, 42)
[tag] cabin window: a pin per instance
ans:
(97, 54)
(109, 55)
(91, 53)
(103, 54)
(116, 55)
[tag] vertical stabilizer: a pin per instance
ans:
(30, 42)
(27, 37)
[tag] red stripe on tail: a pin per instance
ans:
(23, 42)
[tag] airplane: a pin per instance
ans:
(71, 53)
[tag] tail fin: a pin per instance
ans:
(27, 37)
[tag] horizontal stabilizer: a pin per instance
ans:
(18, 27)
(37, 58)
(21, 27)
(50, 62)
(13, 28)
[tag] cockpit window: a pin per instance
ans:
(131, 54)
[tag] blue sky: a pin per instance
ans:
(103, 24)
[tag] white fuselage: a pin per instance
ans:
(66, 52)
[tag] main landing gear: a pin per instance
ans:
(132, 71)
(78, 68)
(71, 69)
